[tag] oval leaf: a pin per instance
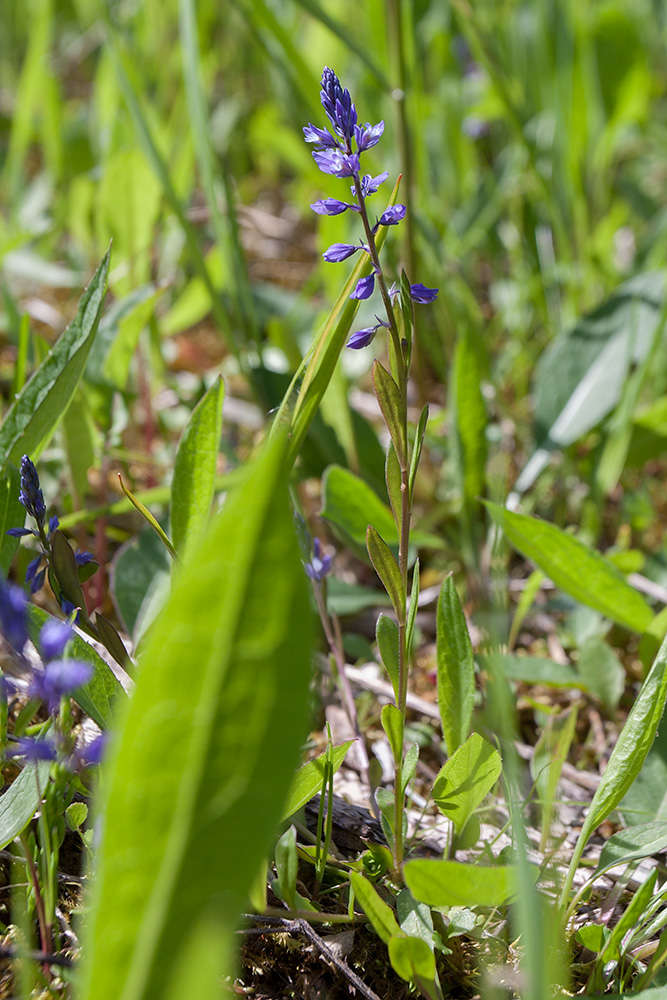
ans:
(453, 883)
(466, 779)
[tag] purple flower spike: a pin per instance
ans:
(31, 495)
(364, 288)
(331, 206)
(19, 532)
(362, 338)
(32, 750)
(369, 185)
(338, 252)
(419, 293)
(368, 135)
(338, 105)
(332, 161)
(13, 613)
(392, 216)
(320, 564)
(53, 638)
(320, 135)
(58, 678)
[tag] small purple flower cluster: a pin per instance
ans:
(339, 154)
(32, 498)
(320, 563)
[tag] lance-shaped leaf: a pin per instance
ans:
(194, 470)
(308, 779)
(392, 406)
(34, 415)
(204, 756)
(392, 723)
(387, 569)
(386, 635)
(392, 475)
(581, 572)
(417, 448)
(20, 801)
(67, 572)
(627, 757)
(456, 668)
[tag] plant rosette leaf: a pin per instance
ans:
(453, 883)
(466, 779)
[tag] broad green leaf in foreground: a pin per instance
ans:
(20, 801)
(627, 756)
(194, 470)
(453, 883)
(34, 414)
(197, 779)
(99, 696)
(581, 572)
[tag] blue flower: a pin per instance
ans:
(93, 752)
(332, 161)
(321, 135)
(57, 679)
(13, 613)
(392, 216)
(53, 638)
(364, 288)
(338, 105)
(32, 749)
(368, 135)
(320, 564)
(33, 566)
(369, 185)
(419, 293)
(362, 338)
(82, 558)
(53, 524)
(338, 252)
(19, 532)
(331, 206)
(31, 495)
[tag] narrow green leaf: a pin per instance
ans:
(19, 802)
(412, 610)
(579, 571)
(380, 915)
(12, 515)
(417, 448)
(148, 517)
(631, 845)
(386, 567)
(410, 764)
(103, 694)
(287, 867)
(456, 668)
(455, 883)
(392, 475)
(392, 406)
(350, 505)
(112, 641)
(392, 723)
(627, 757)
(386, 635)
(308, 779)
(215, 722)
(466, 779)
(67, 572)
(194, 470)
(34, 415)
